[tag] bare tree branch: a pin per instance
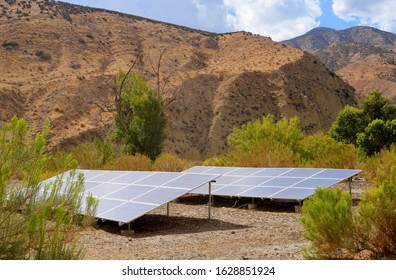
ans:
(117, 98)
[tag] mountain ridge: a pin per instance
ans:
(59, 64)
(362, 56)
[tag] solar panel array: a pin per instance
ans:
(127, 195)
(274, 183)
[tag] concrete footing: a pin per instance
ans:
(127, 232)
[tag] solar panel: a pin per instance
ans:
(273, 183)
(127, 195)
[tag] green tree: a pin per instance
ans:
(349, 122)
(375, 106)
(37, 221)
(140, 119)
(369, 127)
(377, 135)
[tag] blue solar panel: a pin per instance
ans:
(126, 195)
(273, 183)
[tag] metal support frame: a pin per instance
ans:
(350, 186)
(167, 209)
(210, 200)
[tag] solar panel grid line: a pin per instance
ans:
(122, 198)
(291, 186)
(279, 183)
(155, 173)
(124, 203)
(125, 175)
(145, 193)
(102, 213)
(105, 172)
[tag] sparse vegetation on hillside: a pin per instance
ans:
(9, 44)
(42, 55)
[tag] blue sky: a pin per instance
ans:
(278, 19)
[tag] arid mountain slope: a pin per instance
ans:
(58, 62)
(364, 57)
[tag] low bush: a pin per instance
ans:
(264, 154)
(377, 217)
(328, 224)
(43, 55)
(320, 150)
(338, 232)
(10, 44)
(171, 163)
(94, 155)
(377, 169)
(137, 162)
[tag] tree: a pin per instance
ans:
(140, 119)
(369, 127)
(349, 122)
(377, 135)
(375, 106)
(37, 221)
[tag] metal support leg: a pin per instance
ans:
(210, 201)
(167, 209)
(350, 186)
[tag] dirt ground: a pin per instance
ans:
(270, 231)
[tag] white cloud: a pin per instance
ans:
(208, 15)
(379, 13)
(279, 19)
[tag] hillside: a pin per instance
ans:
(58, 62)
(364, 57)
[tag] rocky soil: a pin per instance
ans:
(270, 231)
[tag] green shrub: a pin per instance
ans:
(94, 155)
(337, 232)
(329, 225)
(81, 40)
(285, 132)
(137, 162)
(264, 154)
(377, 217)
(10, 44)
(320, 150)
(75, 65)
(377, 169)
(171, 163)
(36, 221)
(43, 55)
